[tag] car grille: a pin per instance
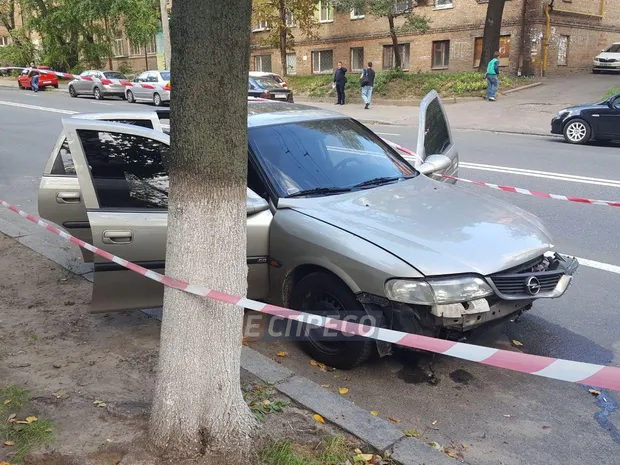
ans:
(514, 282)
(607, 60)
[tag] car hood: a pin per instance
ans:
(585, 106)
(437, 228)
(608, 55)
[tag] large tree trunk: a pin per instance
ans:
(283, 37)
(198, 405)
(397, 62)
(492, 32)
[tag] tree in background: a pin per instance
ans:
(198, 407)
(141, 22)
(21, 51)
(281, 16)
(390, 9)
(492, 32)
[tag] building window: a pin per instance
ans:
(357, 12)
(402, 6)
(291, 63)
(357, 58)
(138, 50)
(290, 19)
(135, 50)
(388, 56)
(563, 50)
(4, 41)
(323, 61)
(504, 51)
(326, 11)
(119, 47)
(262, 63)
(260, 26)
(441, 54)
(151, 47)
(442, 4)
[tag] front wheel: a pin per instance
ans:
(72, 92)
(130, 97)
(97, 93)
(577, 131)
(55, 86)
(157, 100)
(325, 295)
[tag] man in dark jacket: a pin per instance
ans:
(339, 81)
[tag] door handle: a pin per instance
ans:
(117, 237)
(68, 197)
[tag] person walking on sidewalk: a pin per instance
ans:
(340, 80)
(492, 77)
(367, 83)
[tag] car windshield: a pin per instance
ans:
(615, 48)
(114, 75)
(165, 75)
(333, 154)
(266, 82)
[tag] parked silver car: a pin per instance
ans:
(154, 88)
(338, 224)
(102, 87)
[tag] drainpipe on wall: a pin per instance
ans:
(548, 9)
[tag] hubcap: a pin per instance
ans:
(324, 304)
(576, 132)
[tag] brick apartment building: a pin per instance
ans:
(578, 30)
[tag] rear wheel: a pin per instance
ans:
(577, 131)
(325, 295)
(19, 84)
(157, 99)
(130, 97)
(72, 92)
(55, 86)
(97, 94)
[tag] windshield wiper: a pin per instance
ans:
(320, 190)
(381, 180)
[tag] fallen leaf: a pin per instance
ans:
(7, 401)
(324, 385)
(12, 416)
(594, 392)
(517, 343)
(319, 418)
(314, 363)
(59, 394)
(435, 422)
(31, 419)
(506, 416)
(322, 366)
(366, 458)
(244, 341)
(343, 390)
(9, 443)
(451, 454)
(266, 402)
(21, 422)
(5, 463)
(435, 445)
(374, 412)
(282, 354)
(412, 433)
(395, 420)
(357, 451)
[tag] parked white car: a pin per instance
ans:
(154, 87)
(275, 76)
(607, 60)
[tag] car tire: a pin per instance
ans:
(19, 84)
(97, 93)
(157, 99)
(130, 97)
(72, 92)
(55, 86)
(596, 71)
(324, 294)
(577, 131)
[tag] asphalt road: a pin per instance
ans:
(502, 417)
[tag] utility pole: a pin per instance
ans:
(165, 24)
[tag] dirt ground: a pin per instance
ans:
(68, 359)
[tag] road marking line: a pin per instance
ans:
(599, 265)
(542, 174)
(102, 103)
(36, 107)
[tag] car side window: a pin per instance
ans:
(437, 137)
(128, 171)
(63, 163)
(152, 77)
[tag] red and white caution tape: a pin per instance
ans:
(566, 370)
(515, 190)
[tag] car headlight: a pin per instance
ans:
(437, 291)
(562, 113)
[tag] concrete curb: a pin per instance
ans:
(376, 432)
(379, 102)
(517, 89)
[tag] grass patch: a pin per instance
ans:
(21, 434)
(611, 92)
(336, 451)
(397, 85)
(258, 397)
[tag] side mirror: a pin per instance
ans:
(434, 164)
(255, 203)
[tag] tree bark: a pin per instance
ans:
(492, 32)
(283, 37)
(166, 32)
(146, 58)
(198, 406)
(397, 61)
(107, 31)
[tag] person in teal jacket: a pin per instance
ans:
(492, 77)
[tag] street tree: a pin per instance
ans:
(282, 15)
(141, 22)
(21, 51)
(492, 32)
(391, 10)
(198, 407)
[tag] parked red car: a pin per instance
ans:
(45, 79)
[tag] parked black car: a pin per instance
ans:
(268, 88)
(584, 123)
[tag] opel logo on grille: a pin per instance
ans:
(532, 285)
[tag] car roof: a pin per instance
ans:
(266, 113)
